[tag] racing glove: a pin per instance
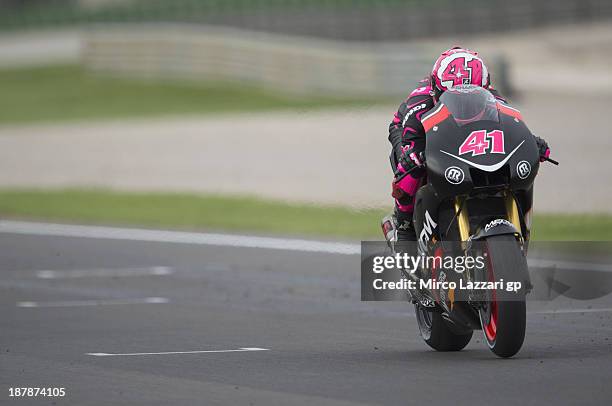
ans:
(410, 160)
(543, 148)
(409, 170)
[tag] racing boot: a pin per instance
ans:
(397, 226)
(389, 229)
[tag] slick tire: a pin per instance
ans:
(503, 318)
(436, 333)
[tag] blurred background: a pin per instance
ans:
(272, 115)
(247, 118)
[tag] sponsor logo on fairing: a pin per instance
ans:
(428, 228)
(454, 175)
(523, 169)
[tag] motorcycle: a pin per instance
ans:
(480, 162)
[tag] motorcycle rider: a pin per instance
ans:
(455, 66)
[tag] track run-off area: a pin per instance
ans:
(138, 316)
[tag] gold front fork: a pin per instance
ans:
(463, 220)
(512, 210)
(463, 215)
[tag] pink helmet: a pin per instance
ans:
(458, 66)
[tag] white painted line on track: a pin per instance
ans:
(180, 237)
(568, 311)
(228, 240)
(105, 354)
(104, 272)
(101, 302)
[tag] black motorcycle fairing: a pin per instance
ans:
(528, 152)
(442, 154)
(454, 169)
(425, 216)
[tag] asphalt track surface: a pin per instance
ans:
(64, 298)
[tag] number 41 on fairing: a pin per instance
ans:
(480, 142)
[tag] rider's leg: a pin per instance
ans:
(404, 192)
(399, 226)
(404, 224)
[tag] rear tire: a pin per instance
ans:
(436, 332)
(504, 317)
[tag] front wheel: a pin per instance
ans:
(503, 315)
(436, 333)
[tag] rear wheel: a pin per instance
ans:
(436, 332)
(503, 316)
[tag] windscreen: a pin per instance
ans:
(469, 103)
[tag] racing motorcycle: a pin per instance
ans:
(481, 162)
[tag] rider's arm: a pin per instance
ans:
(406, 129)
(395, 135)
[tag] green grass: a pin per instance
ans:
(244, 214)
(71, 93)
(188, 211)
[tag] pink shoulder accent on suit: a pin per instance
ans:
(420, 91)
